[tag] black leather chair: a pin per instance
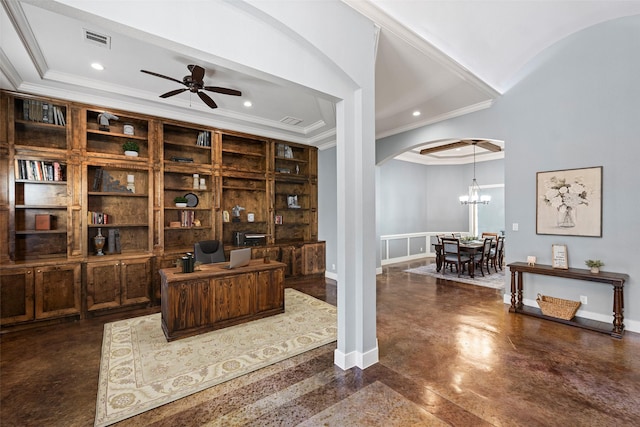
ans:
(209, 251)
(451, 256)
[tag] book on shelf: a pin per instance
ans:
(204, 139)
(42, 112)
(113, 241)
(100, 218)
(39, 170)
(187, 218)
(97, 180)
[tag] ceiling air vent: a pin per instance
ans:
(97, 38)
(291, 121)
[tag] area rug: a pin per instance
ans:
(140, 370)
(493, 280)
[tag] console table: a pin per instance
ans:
(215, 297)
(614, 279)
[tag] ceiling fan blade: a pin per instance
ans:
(223, 90)
(489, 146)
(173, 92)
(163, 77)
(197, 72)
(445, 147)
(207, 100)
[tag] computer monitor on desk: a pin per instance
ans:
(239, 258)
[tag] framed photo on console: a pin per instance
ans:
(559, 257)
(569, 202)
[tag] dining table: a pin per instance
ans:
(468, 247)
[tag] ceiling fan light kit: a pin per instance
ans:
(194, 83)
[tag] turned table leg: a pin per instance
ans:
(513, 291)
(618, 309)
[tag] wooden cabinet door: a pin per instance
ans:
(57, 291)
(188, 305)
(313, 258)
(16, 295)
(270, 290)
(234, 296)
(289, 255)
(135, 281)
(103, 285)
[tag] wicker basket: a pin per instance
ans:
(557, 307)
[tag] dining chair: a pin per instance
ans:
(483, 257)
(490, 235)
(496, 255)
(451, 255)
(457, 235)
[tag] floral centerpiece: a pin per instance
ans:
(565, 196)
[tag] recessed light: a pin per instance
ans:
(247, 104)
(97, 66)
(416, 113)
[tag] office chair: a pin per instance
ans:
(209, 251)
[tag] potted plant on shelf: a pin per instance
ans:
(130, 148)
(594, 264)
(180, 201)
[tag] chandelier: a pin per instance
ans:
(474, 197)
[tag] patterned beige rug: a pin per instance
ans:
(140, 370)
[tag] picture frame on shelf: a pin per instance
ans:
(559, 257)
(279, 219)
(569, 202)
(292, 202)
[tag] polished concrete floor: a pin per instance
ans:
(450, 354)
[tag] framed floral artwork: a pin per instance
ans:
(569, 202)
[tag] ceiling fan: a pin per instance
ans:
(489, 146)
(195, 84)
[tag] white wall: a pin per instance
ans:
(413, 198)
(327, 207)
(578, 105)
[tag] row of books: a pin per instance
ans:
(99, 218)
(187, 218)
(43, 112)
(204, 139)
(39, 170)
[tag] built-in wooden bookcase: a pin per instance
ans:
(244, 166)
(295, 193)
(39, 279)
(64, 177)
(41, 180)
(107, 140)
(187, 154)
(118, 205)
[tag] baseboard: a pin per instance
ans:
(629, 325)
(356, 359)
(331, 275)
(407, 258)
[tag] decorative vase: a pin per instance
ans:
(131, 153)
(595, 270)
(98, 242)
(181, 205)
(566, 218)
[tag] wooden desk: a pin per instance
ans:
(614, 279)
(214, 297)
